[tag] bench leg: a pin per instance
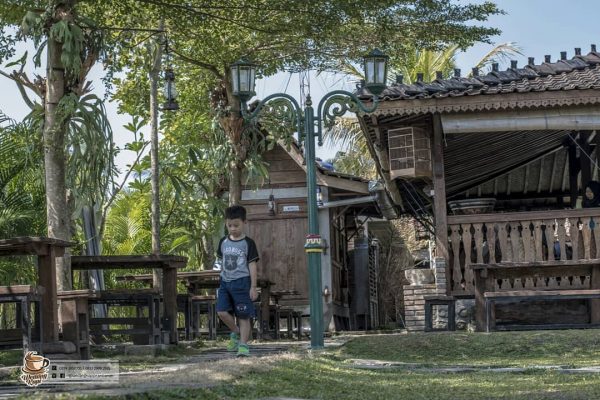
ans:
(215, 320)
(290, 326)
(451, 316)
(488, 315)
(276, 323)
(299, 319)
(25, 324)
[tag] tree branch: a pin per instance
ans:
(21, 78)
(200, 64)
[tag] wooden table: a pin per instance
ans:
(486, 275)
(46, 250)
(195, 281)
(168, 263)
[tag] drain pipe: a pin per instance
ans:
(348, 202)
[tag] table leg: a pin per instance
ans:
(170, 301)
(25, 324)
(264, 311)
(47, 275)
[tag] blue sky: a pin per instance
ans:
(538, 27)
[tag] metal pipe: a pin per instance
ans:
(348, 202)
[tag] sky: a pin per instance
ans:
(538, 27)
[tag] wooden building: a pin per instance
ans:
(346, 203)
(495, 164)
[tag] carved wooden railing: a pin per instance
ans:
(537, 237)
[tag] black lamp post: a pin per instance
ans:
(309, 126)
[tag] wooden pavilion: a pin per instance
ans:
(494, 165)
(279, 230)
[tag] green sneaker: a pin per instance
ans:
(243, 350)
(234, 340)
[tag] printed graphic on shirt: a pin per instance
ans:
(234, 258)
(236, 255)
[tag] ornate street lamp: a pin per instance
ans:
(375, 71)
(334, 104)
(170, 91)
(243, 74)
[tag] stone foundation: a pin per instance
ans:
(414, 303)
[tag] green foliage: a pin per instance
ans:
(22, 197)
(71, 37)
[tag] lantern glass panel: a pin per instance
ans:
(170, 91)
(380, 75)
(244, 79)
(252, 78)
(370, 71)
(235, 79)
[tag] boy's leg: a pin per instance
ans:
(244, 310)
(245, 330)
(224, 306)
(228, 320)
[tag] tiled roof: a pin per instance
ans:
(580, 72)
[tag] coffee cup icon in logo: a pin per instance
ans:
(35, 368)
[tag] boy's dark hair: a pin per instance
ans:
(235, 212)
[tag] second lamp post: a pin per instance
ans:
(309, 126)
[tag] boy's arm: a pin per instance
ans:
(253, 273)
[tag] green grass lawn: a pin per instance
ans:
(331, 374)
(569, 348)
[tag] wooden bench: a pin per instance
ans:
(24, 335)
(75, 319)
(537, 281)
(184, 306)
(491, 298)
(169, 265)
(434, 300)
(143, 329)
(204, 304)
(293, 315)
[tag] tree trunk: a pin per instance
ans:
(154, 182)
(54, 152)
(209, 250)
(235, 184)
(233, 125)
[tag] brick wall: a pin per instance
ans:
(414, 304)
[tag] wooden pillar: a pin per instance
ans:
(481, 281)
(439, 197)
(47, 275)
(573, 171)
(170, 300)
(595, 303)
(585, 162)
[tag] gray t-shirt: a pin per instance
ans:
(235, 257)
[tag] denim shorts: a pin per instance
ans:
(235, 296)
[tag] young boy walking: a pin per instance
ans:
(237, 255)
